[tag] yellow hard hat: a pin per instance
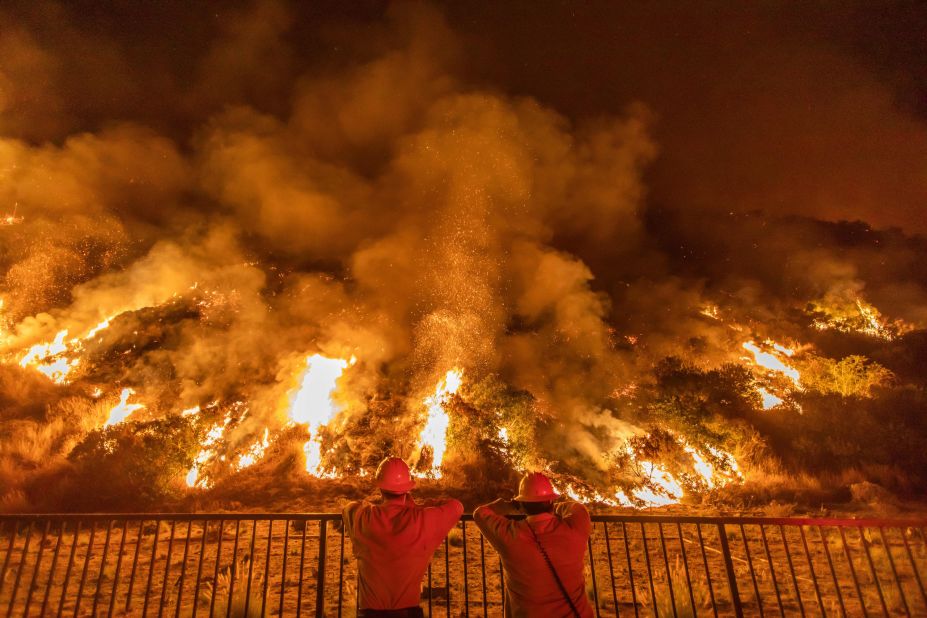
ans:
(535, 487)
(393, 475)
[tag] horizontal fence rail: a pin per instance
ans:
(233, 565)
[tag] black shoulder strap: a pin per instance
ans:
(553, 571)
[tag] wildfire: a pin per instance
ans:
(11, 218)
(434, 434)
(859, 317)
(312, 404)
(57, 359)
(711, 311)
(123, 409)
(255, 452)
(212, 436)
(667, 489)
(770, 401)
(772, 362)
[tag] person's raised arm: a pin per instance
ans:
(443, 514)
(575, 515)
(492, 521)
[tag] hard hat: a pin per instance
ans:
(393, 475)
(535, 487)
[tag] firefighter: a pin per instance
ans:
(394, 541)
(542, 555)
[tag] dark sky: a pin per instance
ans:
(818, 108)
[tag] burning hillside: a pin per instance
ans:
(406, 260)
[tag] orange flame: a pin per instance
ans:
(434, 433)
(123, 409)
(312, 404)
(772, 362)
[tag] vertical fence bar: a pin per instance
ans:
(270, 537)
(151, 566)
(611, 567)
(814, 577)
(627, 552)
(83, 576)
(788, 556)
(251, 566)
(199, 567)
(891, 563)
(20, 568)
(833, 573)
(341, 572)
(320, 580)
(96, 595)
(35, 570)
(466, 570)
(286, 547)
(872, 569)
(167, 568)
(917, 575)
(729, 567)
(122, 546)
(233, 569)
(483, 570)
(183, 569)
(653, 590)
(302, 560)
(14, 527)
(595, 584)
(215, 575)
(772, 571)
(756, 588)
(502, 584)
(447, 576)
(138, 549)
(685, 565)
(711, 588)
(51, 570)
(67, 570)
(859, 592)
(430, 612)
(669, 575)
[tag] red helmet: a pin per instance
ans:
(393, 475)
(535, 487)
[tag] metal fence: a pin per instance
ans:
(283, 564)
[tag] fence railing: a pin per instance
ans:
(284, 564)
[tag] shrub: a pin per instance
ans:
(133, 464)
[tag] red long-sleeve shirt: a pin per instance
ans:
(394, 543)
(530, 587)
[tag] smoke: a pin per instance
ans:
(394, 200)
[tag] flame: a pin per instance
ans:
(123, 409)
(711, 311)
(255, 452)
(670, 491)
(770, 401)
(434, 434)
(862, 318)
(704, 468)
(312, 404)
(772, 362)
(212, 436)
(51, 359)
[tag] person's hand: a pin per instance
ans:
(503, 506)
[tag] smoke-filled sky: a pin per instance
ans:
(528, 189)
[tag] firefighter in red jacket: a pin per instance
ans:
(394, 541)
(543, 554)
